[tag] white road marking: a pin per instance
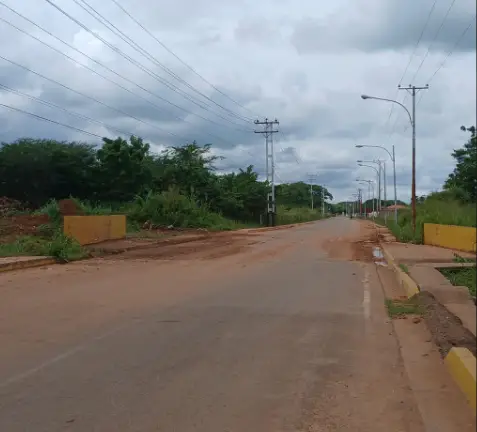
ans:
(63, 356)
(366, 294)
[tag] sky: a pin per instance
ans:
(205, 70)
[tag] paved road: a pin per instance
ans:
(275, 331)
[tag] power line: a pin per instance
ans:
(448, 55)
(152, 58)
(49, 120)
(126, 56)
(89, 97)
(73, 113)
(411, 57)
(178, 58)
(433, 40)
(119, 85)
(425, 57)
(108, 68)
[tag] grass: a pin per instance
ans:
(462, 277)
(404, 268)
(433, 210)
(291, 215)
(162, 209)
(397, 308)
(58, 246)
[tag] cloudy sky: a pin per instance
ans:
(215, 66)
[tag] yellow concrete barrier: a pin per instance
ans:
(451, 237)
(94, 229)
(461, 365)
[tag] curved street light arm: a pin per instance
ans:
(381, 147)
(370, 166)
(393, 101)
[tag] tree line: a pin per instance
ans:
(35, 171)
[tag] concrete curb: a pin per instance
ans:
(410, 287)
(461, 364)
(20, 265)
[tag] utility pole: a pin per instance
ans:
(270, 166)
(413, 90)
(311, 179)
(322, 200)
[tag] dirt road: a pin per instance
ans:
(279, 330)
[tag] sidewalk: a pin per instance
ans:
(450, 311)
(407, 253)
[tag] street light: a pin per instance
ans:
(377, 174)
(393, 159)
(378, 162)
(370, 185)
(413, 124)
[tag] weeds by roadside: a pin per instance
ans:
(398, 308)
(433, 210)
(58, 246)
(462, 277)
(404, 268)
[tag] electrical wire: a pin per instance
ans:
(435, 37)
(411, 57)
(73, 113)
(160, 109)
(448, 55)
(128, 40)
(127, 57)
(425, 57)
(180, 60)
(109, 69)
(51, 121)
(89, 97)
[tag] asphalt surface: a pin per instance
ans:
(282, 331)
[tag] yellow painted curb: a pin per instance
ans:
(461, 364)
(20, 265)
(403, 278)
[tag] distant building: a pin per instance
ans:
(393, 207)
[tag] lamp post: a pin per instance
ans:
(393, 159)
(377, 175)
(413, 124)
(370, 185)
(378, 162)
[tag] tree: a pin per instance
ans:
(34, 171)
(464, 176)
(122, 171)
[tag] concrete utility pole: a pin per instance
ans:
(322, 200)
(270, 166)
(413, 90)
(311, 178)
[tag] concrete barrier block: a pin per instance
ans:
(462, 366)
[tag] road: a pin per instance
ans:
(280, 330)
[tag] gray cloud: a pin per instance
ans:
(373, 25)
(255, 61)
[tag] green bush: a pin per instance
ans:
(58, 246)
(438, 209)
(180, 211)
(290, 215)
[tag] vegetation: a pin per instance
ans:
(397, 308)
(177, 187)
(455, 205)
(466, 276)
